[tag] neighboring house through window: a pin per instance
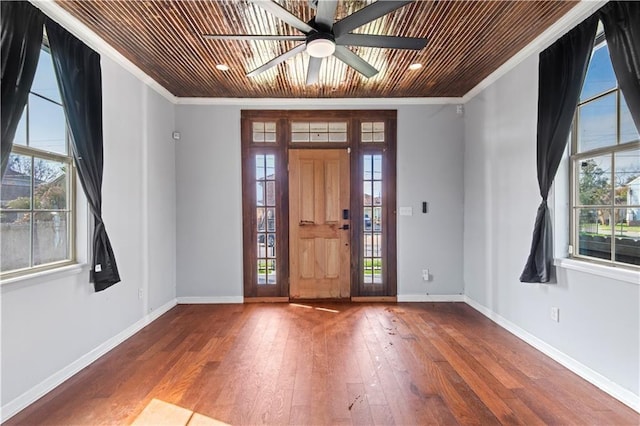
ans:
(605, 161)
(37, 194)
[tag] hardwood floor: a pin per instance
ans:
(403, 364)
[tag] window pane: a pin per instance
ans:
(594, 231)
(16, 237)
(262, 272)
(50, 186)
(260, 200)
(627, 236)
(367, 167)
(271, 245)
(367, 218)
(16, 183)
(628, 131)
(600, 76)
(47, 126)
(367, 191)
(259, 167)
(271, 193)
(377, 167)
(377, 219)
(377, 193)
(271, 167)
(271, 220)
(260, 218)
(261, 247)
(628, 177)
(597, 124)
(594, 180)
(271, 271)
(50, 237)
(20, 137)
(44, 82)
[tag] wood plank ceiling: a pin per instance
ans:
(468, 40)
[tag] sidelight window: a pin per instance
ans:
(266, 207)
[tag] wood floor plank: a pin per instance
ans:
(327, 363)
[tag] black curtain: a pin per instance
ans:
(622, 29)
(20, 49)
(79, 77)
(562, 69)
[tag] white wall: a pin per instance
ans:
(209, 245)
(599, 317)
(51, 322)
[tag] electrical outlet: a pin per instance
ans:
(555, 314)
(140, 293)
(425, 275)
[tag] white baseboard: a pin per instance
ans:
(210, 300)
(623, 395)
(431, 298)
(29, 397)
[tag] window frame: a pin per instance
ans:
(71, 207)
(575, 158)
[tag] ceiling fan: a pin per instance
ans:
(323, 37)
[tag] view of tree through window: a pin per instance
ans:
(606, 168)
(35, 209)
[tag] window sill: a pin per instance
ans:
(613, 272)
(43, 276)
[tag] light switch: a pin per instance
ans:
(406, 211)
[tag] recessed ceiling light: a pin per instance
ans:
(222, 67)
(415, 66)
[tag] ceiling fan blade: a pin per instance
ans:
(278, 59)
(313, 70)
(283, 14)
(355, 61)
(326, 13)
(389, 42)
(367, 14)
(253, 37)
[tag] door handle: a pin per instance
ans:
(345, 227)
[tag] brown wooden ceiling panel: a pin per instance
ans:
(468, 40)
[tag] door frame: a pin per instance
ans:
(278, 146)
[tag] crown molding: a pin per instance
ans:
(91, 39)
(579, 13)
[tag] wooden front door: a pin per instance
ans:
(319, 246)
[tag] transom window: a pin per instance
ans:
(264, 132)
(36, 215)
(606, 169)
(372, 131)
(318, 131)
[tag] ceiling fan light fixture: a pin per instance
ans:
(321, 45)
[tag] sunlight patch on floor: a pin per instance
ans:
(160, 413)
(297, 305)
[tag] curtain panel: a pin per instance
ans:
(79, 76)
(562, 69)
(20, 49)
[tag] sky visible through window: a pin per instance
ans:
(47, 128)
(598, 126)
